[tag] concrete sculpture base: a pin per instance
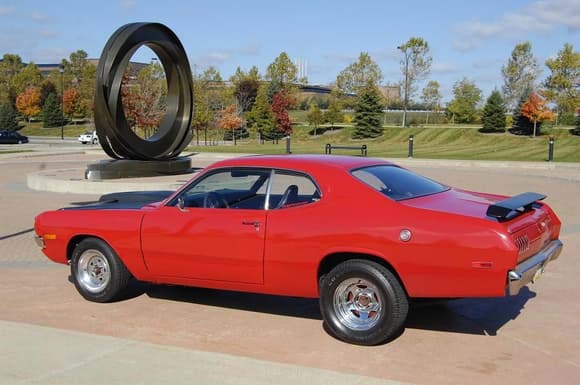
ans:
(128, 168)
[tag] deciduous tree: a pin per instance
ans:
(536, 109)
(28, 76)
(314, 116)
(415, 65)
(230, 120)
(334, 113)
(368, 113)
(519, 73)
(563, 83)
(246, 87)
(463, 107)
(28, 102)
(359, 75)
(280, 105)
(432, 97)
(283, 76)
(10, 65)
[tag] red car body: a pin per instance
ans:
(458, 246)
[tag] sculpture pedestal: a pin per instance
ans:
(128, 168)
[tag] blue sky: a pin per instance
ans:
(470, 39)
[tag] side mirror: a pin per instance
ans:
(181, 204)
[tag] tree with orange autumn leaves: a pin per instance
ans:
(230, 120)
(28, 102)
(536, 109)
(72, 102)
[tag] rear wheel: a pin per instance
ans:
(363, 303)
(98, 273)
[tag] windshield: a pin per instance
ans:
(398, 183)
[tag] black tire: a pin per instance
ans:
(97, 272)
(363, 303)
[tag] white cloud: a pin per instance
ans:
(128, 4)
(6, 11)
(443, 68)
(537, 17)
(38, 17)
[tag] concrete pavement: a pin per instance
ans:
(158, 334)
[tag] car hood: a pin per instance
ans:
(455, 201)
(124, 200)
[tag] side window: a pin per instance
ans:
(228, 189)
(291, 189)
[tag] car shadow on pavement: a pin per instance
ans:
(261, 303)
(483, 316)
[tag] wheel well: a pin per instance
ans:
(331, 261)
(74, 241)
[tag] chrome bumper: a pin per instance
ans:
(528, 270)
(39, 241)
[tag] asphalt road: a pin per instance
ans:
(159, 334)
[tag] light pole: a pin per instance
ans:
(61, 70)
(406, 100)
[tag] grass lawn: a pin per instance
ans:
(434, 142)
(71, 130)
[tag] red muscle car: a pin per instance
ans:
(363, 235)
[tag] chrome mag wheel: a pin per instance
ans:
(93, 271)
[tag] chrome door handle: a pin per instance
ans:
(256, 224)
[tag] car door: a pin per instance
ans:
(214, 230)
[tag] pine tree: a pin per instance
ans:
(522, 125)
(368, 112)
(261, 118)
(493, 118)
(51, 112)
(8, 117)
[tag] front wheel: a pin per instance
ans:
(98, 273)
(362, 302)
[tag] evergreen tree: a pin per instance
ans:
(261, 118)
(51, 112)
(493, 118)
(368, 113)
(522, 125)
(8, 117)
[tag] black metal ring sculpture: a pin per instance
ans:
(113, 130)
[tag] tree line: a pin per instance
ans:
(252, 102)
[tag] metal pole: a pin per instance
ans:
(411, 140)
(288, 145)
(551, 149)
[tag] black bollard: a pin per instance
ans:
(288, 145)
(411, 139)
(551, 149)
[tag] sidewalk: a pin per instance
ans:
(45, 356)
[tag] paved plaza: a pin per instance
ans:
(173, 335)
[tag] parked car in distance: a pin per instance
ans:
(12, 137)
(363, 235)
(89, 137)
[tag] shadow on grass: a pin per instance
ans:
(491, 131)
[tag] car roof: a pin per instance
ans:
(301, 162)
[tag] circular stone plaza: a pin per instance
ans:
(162, 334)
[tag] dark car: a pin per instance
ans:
(12, 137)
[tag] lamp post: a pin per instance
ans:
(61, 70)
(406, 100)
